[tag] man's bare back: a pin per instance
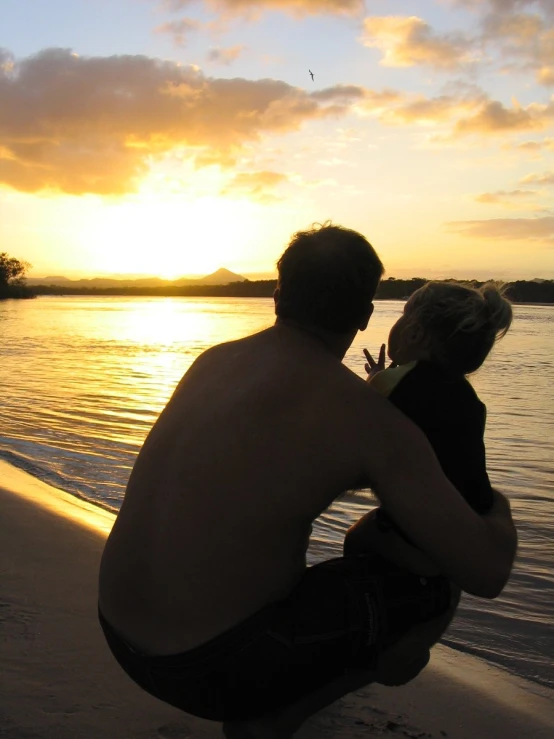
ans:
(261, 435)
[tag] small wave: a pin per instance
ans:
(50, 477)
(520, 665)
(32, 468)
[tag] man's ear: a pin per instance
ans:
(276, 295)
(363, 324)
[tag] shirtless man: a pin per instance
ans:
(205, 598)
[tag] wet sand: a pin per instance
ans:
(59, 681)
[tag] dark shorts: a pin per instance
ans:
(342, 614)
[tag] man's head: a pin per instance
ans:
(328, 277)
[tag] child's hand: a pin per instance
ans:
(373, 367)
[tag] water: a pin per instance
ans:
(83, 379)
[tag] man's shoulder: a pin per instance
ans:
(219, 351)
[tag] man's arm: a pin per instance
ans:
(476, 552)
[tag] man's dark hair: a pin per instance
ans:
(328, 277)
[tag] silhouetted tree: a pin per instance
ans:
(12, 277)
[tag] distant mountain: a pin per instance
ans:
(51, 280)
(221, 276)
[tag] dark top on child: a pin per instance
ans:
(446, 408)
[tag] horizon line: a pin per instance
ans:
(261, 276)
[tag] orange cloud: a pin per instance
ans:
(468, 109)
(407, 41)
(179, 29)
(515, 34)
(545, 76)
(255, 185)
(7, 61)
(507, 229)
(503, 197)
(94, 124)
(526, 40)
(295, 7)
(225, 56)
(520, 32)
(441, 109)
(494, 117)
(533, 146)
(502, 7)
(528, 146)
(547, 178)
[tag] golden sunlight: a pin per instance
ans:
(169, 236)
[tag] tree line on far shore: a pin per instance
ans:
(520, 291)
(12, 285)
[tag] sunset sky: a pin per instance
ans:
(173, 137)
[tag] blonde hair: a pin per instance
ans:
(460, 323)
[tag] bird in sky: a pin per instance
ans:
(310, 71)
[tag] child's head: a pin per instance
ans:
(451, 324)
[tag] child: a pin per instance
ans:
(445, 333)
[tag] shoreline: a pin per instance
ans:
(108, 293)
(82, 510)
(59, 680)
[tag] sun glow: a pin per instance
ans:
(171, 236)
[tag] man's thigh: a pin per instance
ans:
(344, 614)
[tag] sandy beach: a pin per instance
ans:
(59, 681)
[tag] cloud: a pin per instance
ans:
(179, 29)
(501, 7)
(545, 76)
(96, 124)
(547, 178)
(431, 111)
(7, 61)
(502, 197)
(255, 185)
(533, 146)
(528, 146)
(407, 41)
(467, 108)
(518, 32)
(313, 184)
(495, 117)
(507, 229)
(255, 7)
(525, 40)
(336, 162)
(513, 35)
(225, 56)
(340, 94)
